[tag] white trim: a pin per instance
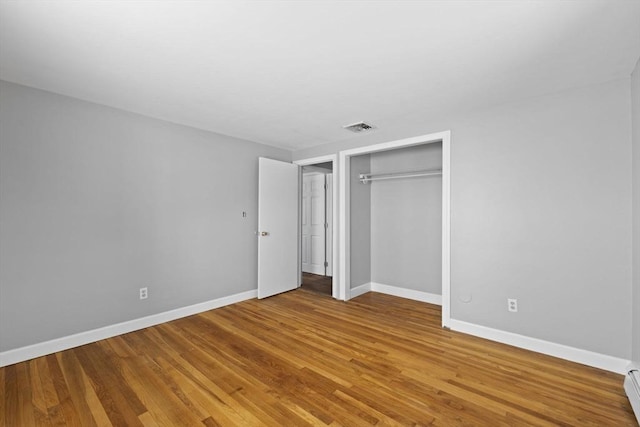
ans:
(335, 259)
(344, 244)
(396, 291)
(406, 293)
(632, 390)
(328, 180)
(361, 290)
(316, 160)
(446, 230)
(400, 143)
(585, 357)
(59, 344)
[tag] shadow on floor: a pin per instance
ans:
(316, 283)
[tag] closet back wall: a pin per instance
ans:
(406, 220)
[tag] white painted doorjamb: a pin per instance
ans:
(343, 240)
(344, 245)
(335, 259)
(446, 229)
(330, 219)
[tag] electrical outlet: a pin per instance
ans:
(143, 293)
(512, 305)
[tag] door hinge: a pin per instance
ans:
(326, 225)
(326, 264)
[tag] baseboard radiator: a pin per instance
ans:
(632, 387)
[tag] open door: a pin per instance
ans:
(277, 227)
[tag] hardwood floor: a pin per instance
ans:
(317, 283)
(301, 359)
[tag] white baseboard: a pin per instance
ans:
(585, 357)
(306, 268)
(597, 360)
(362, 289)
(406, 293)
(41, 349)
(396, 291)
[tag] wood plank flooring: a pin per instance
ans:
(301, 359)
(317, 283)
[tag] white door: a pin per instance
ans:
(329, 218)
(277, 227)
(313, 224)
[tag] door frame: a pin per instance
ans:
(344, 244)
(336, 286)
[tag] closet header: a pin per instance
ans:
(366, 178)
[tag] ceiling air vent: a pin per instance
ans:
(359, 127)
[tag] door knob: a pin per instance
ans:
(264, 233)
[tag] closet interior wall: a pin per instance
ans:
(360, 222)
(396, 224)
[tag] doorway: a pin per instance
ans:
(345, 273)
(316, 227)
(318, 240)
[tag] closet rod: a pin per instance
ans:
(367, 177)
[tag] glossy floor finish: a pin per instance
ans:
(300, 359)
(317, 283)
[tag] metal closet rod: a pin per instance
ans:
(367, 177)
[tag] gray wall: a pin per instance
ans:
(635, 105)
(96, 203)
(360, 233)
(406, 220)
(541, 211)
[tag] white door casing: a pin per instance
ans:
(332, 239)
(277, 227)
(329, 219)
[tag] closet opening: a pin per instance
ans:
(394, 216)
(317, 245)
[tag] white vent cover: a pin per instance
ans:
(359, 127)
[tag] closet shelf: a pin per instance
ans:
(365, 178)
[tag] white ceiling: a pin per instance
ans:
(291, 74)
